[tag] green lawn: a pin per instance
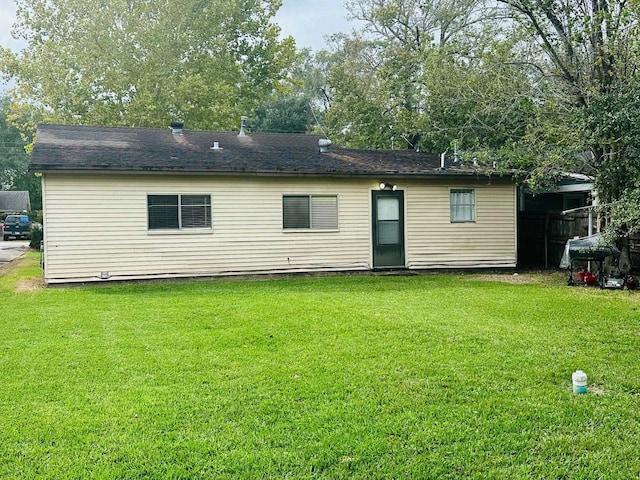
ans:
(434, 376)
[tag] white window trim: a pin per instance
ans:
(186, 231)
(180, 230)
(453, 190)
(311, 229)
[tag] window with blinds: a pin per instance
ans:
(314, 212)
(177, 212)
(463, 205)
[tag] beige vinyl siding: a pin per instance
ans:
(98, 223)
(433, 241)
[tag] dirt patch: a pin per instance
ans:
(30, 285)
(540, 278)
(596, 390)
(6, 267)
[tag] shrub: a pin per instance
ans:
(37, 234)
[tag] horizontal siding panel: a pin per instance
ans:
(434, 242)
(89, 231)
(98, 223)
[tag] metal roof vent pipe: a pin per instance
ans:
(243, 124)
(176, 127)
(324, 144)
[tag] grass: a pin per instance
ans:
(435, 376)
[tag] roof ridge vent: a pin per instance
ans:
(176, 127)
(324, 144)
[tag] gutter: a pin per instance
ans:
(435, 173)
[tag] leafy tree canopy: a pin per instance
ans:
(147, 62)
(300, 103)
(14, 160)
(545, 88)
(587, 52)
(427, 75)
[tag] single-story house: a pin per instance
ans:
(14, 202)
(142, 203)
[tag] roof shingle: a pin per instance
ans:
(119, 149)
(14, 201)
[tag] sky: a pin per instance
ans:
(7, 17)
(307, 21)
(310, 21)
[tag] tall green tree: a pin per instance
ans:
(14, 159)
(287, 113)
(546, 92)
(612, 126)
(429, 74)
(586, 45)
(144, 63)
(300, 102)
(359, 113)
(588, 52)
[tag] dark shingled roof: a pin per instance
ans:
(14, 201)
(117, 149)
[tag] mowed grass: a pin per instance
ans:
(434, 376)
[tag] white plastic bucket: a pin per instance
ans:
(579, 379)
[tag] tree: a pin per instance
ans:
(585, 44)
(14, 159)
(285, 114)
(428, 74)
(588, 52)
(418, 23)
(612, 121)
(548, 92)
(145, 63)
(300, 102)
(359, 115)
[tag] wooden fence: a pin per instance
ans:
(542, 237)
(632, 246)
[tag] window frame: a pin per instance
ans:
(208, 217)
(468, 207)
(310, 209)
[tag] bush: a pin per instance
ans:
(37, 234)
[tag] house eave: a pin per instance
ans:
(437, 173)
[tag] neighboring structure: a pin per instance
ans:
(14, 202)
(571, 192)
(132, 203)
(549, 218)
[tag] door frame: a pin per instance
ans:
(394, 255)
